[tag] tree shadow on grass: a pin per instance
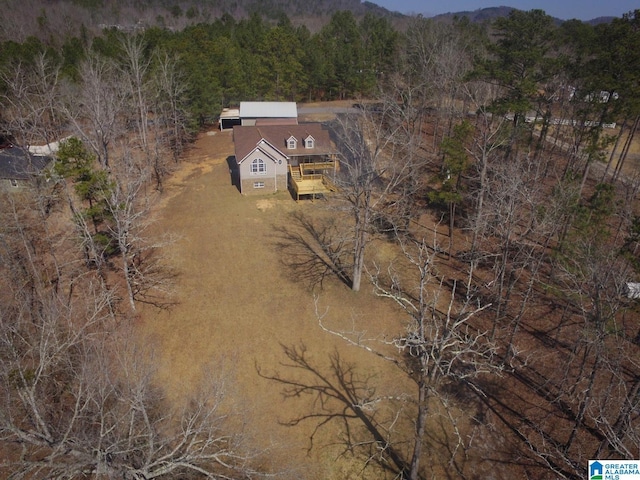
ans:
(535, 427)
(153, 281)
(313, 251)
(378, 429)
(341, 394)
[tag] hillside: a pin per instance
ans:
(477, 16)
(66, 18)
(482, 15)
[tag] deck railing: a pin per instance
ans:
(311, 183)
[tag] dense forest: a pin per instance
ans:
(518, 134)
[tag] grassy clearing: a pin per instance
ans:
(238, 305)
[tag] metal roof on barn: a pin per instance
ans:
(268, 110)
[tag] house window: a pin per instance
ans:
(258, 184)
(258, 167)
(292, 143)
(309, 142)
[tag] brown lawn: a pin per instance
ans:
(237, 303)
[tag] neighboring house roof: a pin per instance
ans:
(48, 149)
(246, 139)
(268, 110)
(19, 164)
(231, 113)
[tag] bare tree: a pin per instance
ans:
(128, 203)
(439, 345)
(359, 174)
(170, 109)
(77, 404)
(380, 157)
(120, 189)
(592, 275)
(78, 398)
(439, 55)
(513, 196)
(134, 68)
(96, 106)
(31, 100)
(488, 139)
(575, 402)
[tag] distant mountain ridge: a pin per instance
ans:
(489, 14)
(477, 16)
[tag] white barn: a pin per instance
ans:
(268, 113)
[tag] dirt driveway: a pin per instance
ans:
(238, 306)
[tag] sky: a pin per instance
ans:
(563, 9)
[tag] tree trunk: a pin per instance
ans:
(421, 421)
(126, 270)
(625, 150)
(358, 257)
(480, 203)
(614, 150)
(452, 214)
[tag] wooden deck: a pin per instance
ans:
(304, 183)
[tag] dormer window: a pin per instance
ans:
(309, 142)
(292, 143)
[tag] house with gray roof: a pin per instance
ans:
(19, 168)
